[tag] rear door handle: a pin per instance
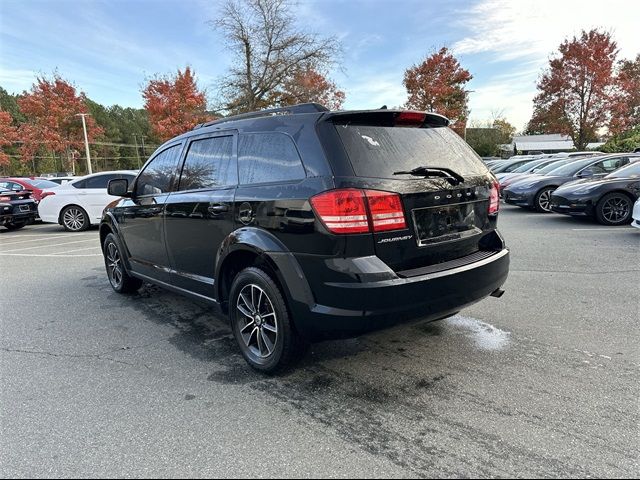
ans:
(218, 208)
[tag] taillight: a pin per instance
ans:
(345, 211)
(494, 199)
(386, 211)
(46, 194)
(5, 199)
(342, 211)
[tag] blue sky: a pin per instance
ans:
(108, 48)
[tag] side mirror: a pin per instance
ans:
(119, 187)
(587, 172)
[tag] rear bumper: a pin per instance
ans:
(359, 307)
(12, 214)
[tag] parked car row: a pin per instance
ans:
(603, 187)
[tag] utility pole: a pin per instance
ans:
(144, 154)
(86, 141)
(135, 139)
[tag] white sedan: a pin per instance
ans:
(636, 214)
(79, 204)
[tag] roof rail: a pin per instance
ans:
(300, 108)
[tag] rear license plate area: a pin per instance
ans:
(25, 208)
(447, 223)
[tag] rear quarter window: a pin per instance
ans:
(378, 152)
(268, 157)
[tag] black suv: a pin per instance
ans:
(304, 224)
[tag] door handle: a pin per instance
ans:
(218, 208)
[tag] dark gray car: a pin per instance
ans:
(535, 190)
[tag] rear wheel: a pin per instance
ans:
(15, 225)
(542, 202)
(614, 209)
(119, 279)
(261, 324)
(74, 219)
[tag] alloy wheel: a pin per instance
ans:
(73, 219)
(616, 209)
(544, 200)
(257, 321)
(114, 265)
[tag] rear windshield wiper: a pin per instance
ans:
(446, 173)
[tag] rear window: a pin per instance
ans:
(378, 152)
(44, 184)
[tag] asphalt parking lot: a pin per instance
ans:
(542, 382)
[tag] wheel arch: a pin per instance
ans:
(64, 207)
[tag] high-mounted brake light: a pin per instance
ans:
(345, 210)
(410, 118)
(494, 199)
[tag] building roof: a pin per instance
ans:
(554, 141)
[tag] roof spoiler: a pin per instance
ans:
(389, 118)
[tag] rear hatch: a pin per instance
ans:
(21, 202)
(447, 218)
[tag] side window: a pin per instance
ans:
(100, 181)
(80, 184)
(268, 157)
(159, 175)
(209, 164)
(609, 165)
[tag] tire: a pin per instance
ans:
(261, 323)
(119, 279)
(542, 201)
(74, 219)
(16, 225)
(614, 209)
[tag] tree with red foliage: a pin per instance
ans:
(8, 135)
(575, 92)
(625, 109)
(438, 85)
(175, 104)
(308, 85)
(52, 124)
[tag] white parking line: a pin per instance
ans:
(48, 255)
(45, 237)
(77, 250)
(50, 246)
(602, 229)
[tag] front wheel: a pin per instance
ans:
(542, 202)
(614, 209)
(119, 279)
(261, 324)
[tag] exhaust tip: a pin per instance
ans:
(498, 292)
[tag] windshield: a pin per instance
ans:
(527, 167)
(378, 152)
(631, 170)
(571, 168)
(552, 166)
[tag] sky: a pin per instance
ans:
(109, 48)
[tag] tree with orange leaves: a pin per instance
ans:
(625, 105)
(308, 85)
(574, 93)
(438, 85)
(52, 124)
(8, 135)
(174, 104)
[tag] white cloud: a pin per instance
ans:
(534, 28)
(525, 33)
